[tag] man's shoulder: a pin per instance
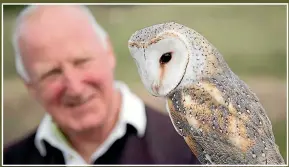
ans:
(166, 144)
(17, 151)
(155, 113)
(159, 118)
(21, 143)
(159, 123)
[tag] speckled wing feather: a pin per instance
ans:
(223, 122)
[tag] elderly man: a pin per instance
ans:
(66, 62)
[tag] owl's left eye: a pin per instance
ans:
(166, 57)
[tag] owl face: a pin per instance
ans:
(161, 62)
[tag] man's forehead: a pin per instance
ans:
(49, 11)
(48, 23)
(56, 17)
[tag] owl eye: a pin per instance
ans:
(166, 57)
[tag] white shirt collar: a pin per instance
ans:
(132, 112)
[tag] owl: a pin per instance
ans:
(220, 118)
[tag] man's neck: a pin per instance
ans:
(87, 142)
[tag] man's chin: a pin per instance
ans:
(88, 124)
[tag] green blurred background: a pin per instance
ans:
(252, 40)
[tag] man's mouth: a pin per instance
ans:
(78, 101)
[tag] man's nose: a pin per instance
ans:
(73, 82)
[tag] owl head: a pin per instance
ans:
(165, 56)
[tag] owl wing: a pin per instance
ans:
(223, 122)
(210, 148)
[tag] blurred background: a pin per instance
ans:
(252, 40)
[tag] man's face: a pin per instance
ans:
(71, 73)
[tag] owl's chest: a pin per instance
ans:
(186, 114)
(201, 110)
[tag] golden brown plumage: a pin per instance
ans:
(223, 122)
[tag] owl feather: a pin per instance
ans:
(219, 116)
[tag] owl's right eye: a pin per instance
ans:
(165, 58)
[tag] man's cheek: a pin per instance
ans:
(93, 76)
(96, 83)
(53, 93)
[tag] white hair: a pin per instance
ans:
(20, 68)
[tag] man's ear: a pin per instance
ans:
(110, 51)
(31, 89)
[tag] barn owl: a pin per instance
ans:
(220, 118)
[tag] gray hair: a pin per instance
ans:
(20, 68)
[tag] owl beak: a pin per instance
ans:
(155, 88)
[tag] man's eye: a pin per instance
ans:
(51, 73)
(81, 61)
